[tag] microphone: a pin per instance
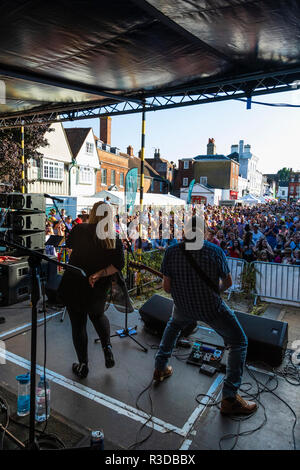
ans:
(53, 198)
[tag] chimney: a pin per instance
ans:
(235, 148)
(247, 148)
(157, 153)
(130, 150)
(105, 129)
(211, 147)
(241, 147)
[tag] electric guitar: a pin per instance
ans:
(140, 267)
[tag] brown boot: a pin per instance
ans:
(160, 375)
(237, 406)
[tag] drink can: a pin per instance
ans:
(97, 440)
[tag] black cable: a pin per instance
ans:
(5, 407)
(150, 416)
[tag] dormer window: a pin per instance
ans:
(186, 165)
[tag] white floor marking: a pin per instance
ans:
(19, 328)
(201, 407)
(87, 392)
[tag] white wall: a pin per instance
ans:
(57, 150)
(85, 159)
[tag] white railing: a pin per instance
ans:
(277, 281)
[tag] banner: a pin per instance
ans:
(190, 191)
(131, 184)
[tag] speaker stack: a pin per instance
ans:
(267, 338)
(23, 219)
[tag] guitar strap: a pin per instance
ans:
(198, 270)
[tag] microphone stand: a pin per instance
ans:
(34, 261)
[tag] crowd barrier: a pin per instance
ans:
(277, 282)
(236, 266)
(273, 281)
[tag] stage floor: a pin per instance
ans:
(107, 398)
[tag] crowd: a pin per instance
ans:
(267, 232)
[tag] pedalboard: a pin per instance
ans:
(209, 357)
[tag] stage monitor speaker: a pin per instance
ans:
(23, 222)
(24, 202)
(156, 312)
(267, 339)
(15, 282)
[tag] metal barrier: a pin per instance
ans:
(236, 266)
(277, 281)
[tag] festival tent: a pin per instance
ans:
(153, 199)
(250, 199)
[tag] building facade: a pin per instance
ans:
(85, 162)
(294, 186)
(50, 173)
(212, 170)
(249, 168)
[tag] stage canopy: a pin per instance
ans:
(89, 58)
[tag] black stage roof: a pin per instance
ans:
(86, 58)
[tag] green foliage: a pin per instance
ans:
(249, 278)
(11, 151)
(283, 174)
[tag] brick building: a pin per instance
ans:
(114, 165)
(294, 186)
(212, 169)
(163, 167)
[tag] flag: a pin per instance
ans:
(131, 184)
(190, 191)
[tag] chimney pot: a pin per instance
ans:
(130, 150)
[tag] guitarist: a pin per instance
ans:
(195, 279)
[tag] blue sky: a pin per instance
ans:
(272, 132)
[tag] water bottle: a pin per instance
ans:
(23, 406)
(41, 414)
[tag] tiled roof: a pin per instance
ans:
(76, 136)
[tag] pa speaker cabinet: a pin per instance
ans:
(156, 312)
(267, 338)
(15, 282)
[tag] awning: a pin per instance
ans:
(62, 57)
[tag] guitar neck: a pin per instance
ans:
(141, 266)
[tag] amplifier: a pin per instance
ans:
(19, 201)
(15, 282)
(26, 222)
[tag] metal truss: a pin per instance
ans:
(246, 86)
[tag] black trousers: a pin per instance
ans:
(95, 311)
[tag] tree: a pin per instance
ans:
(284, 174)
(11, 152)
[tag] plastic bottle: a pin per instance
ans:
(41, 414)
(23, 394)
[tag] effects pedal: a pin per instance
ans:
(207, 370)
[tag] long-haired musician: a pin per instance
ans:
(100, 259)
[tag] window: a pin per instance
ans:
(185, 181)
(85, 175)
(152, 185)
(160, 187)
(283, 193)
(203, 179)
(121, 179)
(104, 177)
(113, 177)
(53, 170)
(89, 148)
(186, 165)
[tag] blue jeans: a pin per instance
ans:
(226, 325)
